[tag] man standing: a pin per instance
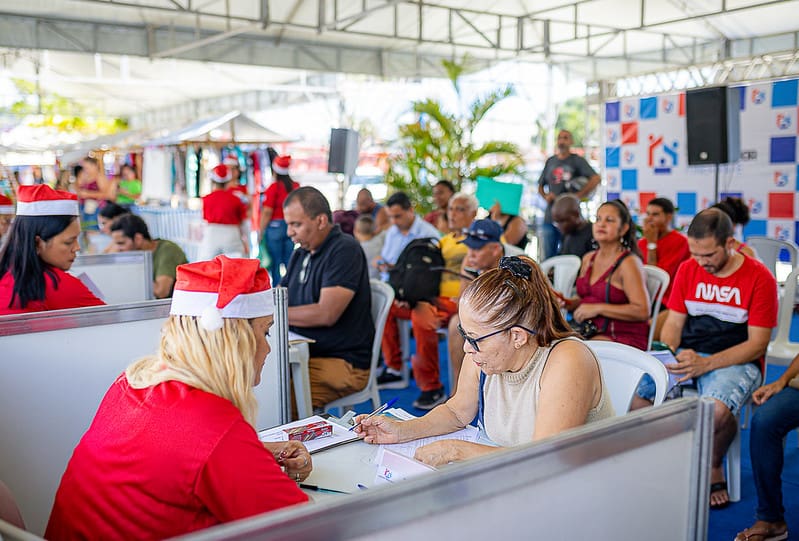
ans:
(129, 232)
(329, 297)
(722, 308)
(484, 250)
(577, 233)
(565, 172)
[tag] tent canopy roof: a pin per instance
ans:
(232, 127)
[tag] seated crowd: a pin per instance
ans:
(513, 354)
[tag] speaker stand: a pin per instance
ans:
(716, 184)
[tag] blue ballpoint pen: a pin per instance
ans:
(378, 411)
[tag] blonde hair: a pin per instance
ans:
(218, 362)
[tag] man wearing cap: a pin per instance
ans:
(39, 250)
(224, 214)
(130, 232)
(329, 297)
(427, 317)
(483, 241)
(577, 233)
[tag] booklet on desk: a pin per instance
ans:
(340, 434)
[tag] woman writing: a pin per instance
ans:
(272, 223)
(524, 374)
(612, 302)
(41, 247)
(172, 448)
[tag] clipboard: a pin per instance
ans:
(341, 435)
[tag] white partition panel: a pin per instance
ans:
(639, 476)
(121, 277)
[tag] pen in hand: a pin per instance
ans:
(378, 411)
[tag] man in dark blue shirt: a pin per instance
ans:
(329, 297)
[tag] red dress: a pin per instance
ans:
(66, 292)
(632, 333)
(163, 461)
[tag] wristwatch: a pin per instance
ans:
(651, 245)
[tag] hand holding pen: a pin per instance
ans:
(378, 411)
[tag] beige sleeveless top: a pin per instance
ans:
(511, 400)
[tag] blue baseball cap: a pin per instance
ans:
(482, 232)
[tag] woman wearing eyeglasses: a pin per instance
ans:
(525, 375)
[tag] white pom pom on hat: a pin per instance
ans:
(222, 288)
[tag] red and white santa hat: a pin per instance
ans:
(42, 200)
(231, 161)
(280, 165)
(220, 173)
(6, 205)
(222, 288)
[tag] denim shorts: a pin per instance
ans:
(732, 385)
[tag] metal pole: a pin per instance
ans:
(281, 345)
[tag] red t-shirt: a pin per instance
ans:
(163, 461)
(240, 191)
(275, 195)
(672, 250)
(69, 292)
(223, 207)
(720, 310)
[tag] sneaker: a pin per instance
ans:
(430, 399)
(388, 378)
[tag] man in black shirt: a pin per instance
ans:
(565, 172)
(329, 297)
(577, 233)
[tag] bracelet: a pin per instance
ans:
(652, 246)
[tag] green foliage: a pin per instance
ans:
(571, 117)
(59, 112)
(438, 146)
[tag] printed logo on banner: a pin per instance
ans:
(758, 96)
(783, 121)
(629, 111)
(662, 157)
(781, 179)
(668, 105)
(628, 157)
(631, 200)
(782, 232)
(755, 206)
(613, 179)
(613, 135)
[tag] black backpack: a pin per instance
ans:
(417, 273)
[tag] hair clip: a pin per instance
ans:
(516, 267)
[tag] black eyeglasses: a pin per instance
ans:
(473, 341)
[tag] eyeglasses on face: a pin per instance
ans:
(473, 341)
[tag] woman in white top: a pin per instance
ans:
(528, 378)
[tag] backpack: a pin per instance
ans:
(417, 273)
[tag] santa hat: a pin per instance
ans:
(222, 288)
(220, 173)
(280, 165)
(6, 205)
(42, 200)
(231, 161)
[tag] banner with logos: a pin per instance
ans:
(645, 157)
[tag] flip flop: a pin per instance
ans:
(718, 487)
(764, 535)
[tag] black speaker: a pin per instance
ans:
(712, 119)
(343, 157)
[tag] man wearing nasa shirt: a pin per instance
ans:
(723, 306)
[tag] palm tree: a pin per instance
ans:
(439, 145)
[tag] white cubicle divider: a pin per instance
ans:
(56, 366)
(638, 476)
(121, 277)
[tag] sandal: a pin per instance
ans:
(762, 533)
(718, 487)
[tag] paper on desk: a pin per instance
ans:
(409, 448)
(666, 357)
(393, 467)
(340, 434)
(295, 338)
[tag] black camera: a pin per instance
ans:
(587, 329)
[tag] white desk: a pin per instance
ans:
(343, 468)
(299, 355)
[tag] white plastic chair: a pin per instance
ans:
(566, 268)
(781, 350)
(622, 369)
(382, 297)
(768, 251)
(657, 281)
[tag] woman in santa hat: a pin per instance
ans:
(6, 217)
(273, 225)
(172, 448)
(224, 214)
(41, 246)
